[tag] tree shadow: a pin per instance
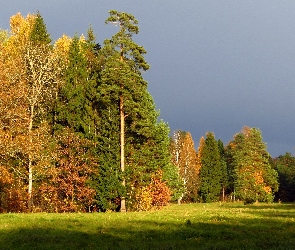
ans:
(218, 233)
(274, 206)
(269, 211)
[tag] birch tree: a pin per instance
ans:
(30, 73)
(185, 158)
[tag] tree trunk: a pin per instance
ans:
(180, 199)
(122, 135)
(30, 165)
(122, 140)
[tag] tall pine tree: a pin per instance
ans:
(130, 109)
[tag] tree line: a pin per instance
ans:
(80, 131)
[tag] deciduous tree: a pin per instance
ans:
(64, 188)
(29, 74)
(254, 178)
(185, 158)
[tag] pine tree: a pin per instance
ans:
(129, 108)
(124, 62)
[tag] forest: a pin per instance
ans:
(79, 132)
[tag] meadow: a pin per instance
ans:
(188, 226)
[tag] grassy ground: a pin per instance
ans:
(188, 226)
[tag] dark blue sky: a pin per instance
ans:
(215, 65)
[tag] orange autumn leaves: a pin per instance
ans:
(30, 75)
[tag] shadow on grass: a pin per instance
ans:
(270, 211)
(274, 206)
(226, 234)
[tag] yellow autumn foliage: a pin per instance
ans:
(144, 199)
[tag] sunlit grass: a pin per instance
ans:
(188, 226)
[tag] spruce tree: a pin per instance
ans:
(39, 32)
(285, 166)
(223, 167)
(210, 172)
(76, 107)
(72, 96)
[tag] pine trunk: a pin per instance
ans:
(122, 140)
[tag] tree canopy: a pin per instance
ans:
(80, 132)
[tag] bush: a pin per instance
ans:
(161, 193)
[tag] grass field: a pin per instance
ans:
(188, 226)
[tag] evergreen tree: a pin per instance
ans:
(71, 110)
(77, 102)
(285, 166)
(39, 32)
(223, 166)
(97, 94)
(129, 108)
(210, 172)
(78, 108)
(108, 182)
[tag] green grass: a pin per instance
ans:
(188, 226)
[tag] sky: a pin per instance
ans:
(216, 65)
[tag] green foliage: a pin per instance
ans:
(285, 166)
(108, 182)
(39, 32)
(76, 106)
(122, 41)
(71, 109)
(254, 178)
(211, 172)
(146, 140)
(224, 169)
(174, 181)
